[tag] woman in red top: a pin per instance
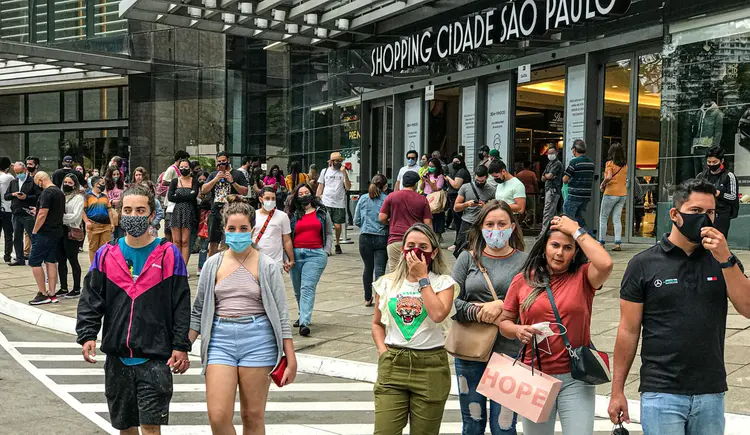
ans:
(312, 236)
(559, 260)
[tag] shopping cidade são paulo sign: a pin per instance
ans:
(515, 20)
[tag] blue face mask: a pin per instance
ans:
(411, 162)
(239, 242)
(22, 176)
(497, 239)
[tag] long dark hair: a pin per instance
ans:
(76, 186)
(294, 170)
(279, 177)
(294, 207)
(438, 167)
(476, 239)
(536, 272)
(110, 182)
(377, 185)
(617, 154)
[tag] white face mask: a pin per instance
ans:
(269, 205)
(552, 156)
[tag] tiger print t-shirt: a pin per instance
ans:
(405, 317)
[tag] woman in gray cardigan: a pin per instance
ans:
(240, 311)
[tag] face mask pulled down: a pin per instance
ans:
(692, 225)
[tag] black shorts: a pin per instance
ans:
(43, 249)
(215, 226)
(137, 394)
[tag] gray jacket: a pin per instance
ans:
(273, 293)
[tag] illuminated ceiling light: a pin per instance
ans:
(342, 24)
(314, 41)
(292, 28)
(228, 18)
(278, 14)
(261, 23)
(275, 46)
(321, 33)
(195, 12)
(311, 19)
(246, 8)
(209, 3)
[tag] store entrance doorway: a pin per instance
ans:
(443, 127)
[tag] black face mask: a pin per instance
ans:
(480, 185)
(692, 224)
(499, 180)
(337, 166)
(714, 168)
(101, 187)
(31, 168)
(305, 200)
(67, 188)
(184, 172)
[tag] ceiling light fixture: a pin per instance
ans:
(342, 24)
(195, 12)
(311, 19)
(278, 14)
(321, 33)
(209, 3)
(228, 18)
(261, 23)
(246, 8)
(292, 28)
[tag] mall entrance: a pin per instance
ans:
(443, 129)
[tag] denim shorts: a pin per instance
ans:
(242, 342)
(43, 249)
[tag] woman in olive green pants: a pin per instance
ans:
(411, 308)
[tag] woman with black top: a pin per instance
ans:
(67, 251)
(183, 192)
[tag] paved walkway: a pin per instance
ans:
(341, 322)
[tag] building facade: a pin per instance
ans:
(295, 81)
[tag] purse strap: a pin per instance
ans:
(489, 283)
(559, 321)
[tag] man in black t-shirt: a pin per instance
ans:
(67, 167)
(222, 182)
(48, 230)
(677, 292)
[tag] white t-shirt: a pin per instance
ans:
(403, 171)
(169, 175)
(510, 190)
(405, 317)
(272, 242)
(334, 193)
(5, 180)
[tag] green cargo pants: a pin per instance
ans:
(412, 385)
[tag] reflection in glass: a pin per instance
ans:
(12, 109)
(645, 194)
(44, 107)
(12, 145)
(45, 146)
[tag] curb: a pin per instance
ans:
(736, 424)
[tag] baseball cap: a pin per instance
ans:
(410, 179)
(495, 154)
(68, 159)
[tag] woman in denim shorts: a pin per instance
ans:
(240, 311)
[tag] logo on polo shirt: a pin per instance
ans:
(712, 278)
(658, 283)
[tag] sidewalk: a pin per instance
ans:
(341, 322)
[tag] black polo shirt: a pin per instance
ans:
(684, 319)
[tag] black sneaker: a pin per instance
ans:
(304, 331)
(17, 263)
(61, 293)
(338, 250)
(72, 294)
(40, 299)
(53, 299)
(296, 323)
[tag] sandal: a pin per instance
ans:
(617, 248)
(370, 303)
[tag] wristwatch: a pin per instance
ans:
(731, 262)
(424, 282)
(579, 233)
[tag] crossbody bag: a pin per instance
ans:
(473, 341)
(265, 225)
(586, 363)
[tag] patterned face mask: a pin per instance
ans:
(136, 226)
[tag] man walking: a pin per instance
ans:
(411, 166)
(45, 237)
(552, 177)
(273, 231)
(401, 210)
(6, 216)
(579, 176)
(146, 321)
(531, 185)
(471, 198)
(333, 184)
(508, 188)
(22, 194)
(727, 200)
(677, 292)
(222, 182)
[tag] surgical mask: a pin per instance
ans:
(269, 205)
(421, 163)
(305, 200)
(426, 256)
(238, 242)
(22, 176)
(184, 172)
(714, 168)
(411, 162)
(431, 169)
(136, 226)
(115, 177)
(497, 239)
(692, 225)
(67, 188)
(552, 157)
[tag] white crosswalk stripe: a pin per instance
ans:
(315, 405)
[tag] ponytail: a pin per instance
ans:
(374, 191)
(377, 185)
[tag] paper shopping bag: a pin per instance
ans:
(514, 386)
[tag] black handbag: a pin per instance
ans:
(586, 363)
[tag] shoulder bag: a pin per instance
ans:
(265, 225)
(603, 186)
(437, 201)
(76, 234)
(586, 363)
(473, 341)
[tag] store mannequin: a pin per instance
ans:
(707, 131)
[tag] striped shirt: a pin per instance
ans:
(580, 174)
(239, 295)
(97, 207)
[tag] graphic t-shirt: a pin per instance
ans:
(334, 192)
(510, 190)
(405, 317)
(222, 189)
(53, 200)
(135, 259)
(272, 242)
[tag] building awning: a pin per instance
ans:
(25, 64)
(325, 23)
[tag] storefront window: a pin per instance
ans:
(12, 109)
(46, 146)
(100, 104)
(11, 145)
(44, 107)
(645, 195)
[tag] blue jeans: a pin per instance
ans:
(674, 414)
(308, 267)
(574, 208)
(575, 405)
(474, 405)
(203, 254)
(611, 205)
(372, 249)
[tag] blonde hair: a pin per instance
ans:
(438, 265)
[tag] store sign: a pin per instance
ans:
(468, 122)
(498, 107)
(429, 93)
(515, 20)
(413, 124)
(524, 73)
(575, 108)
